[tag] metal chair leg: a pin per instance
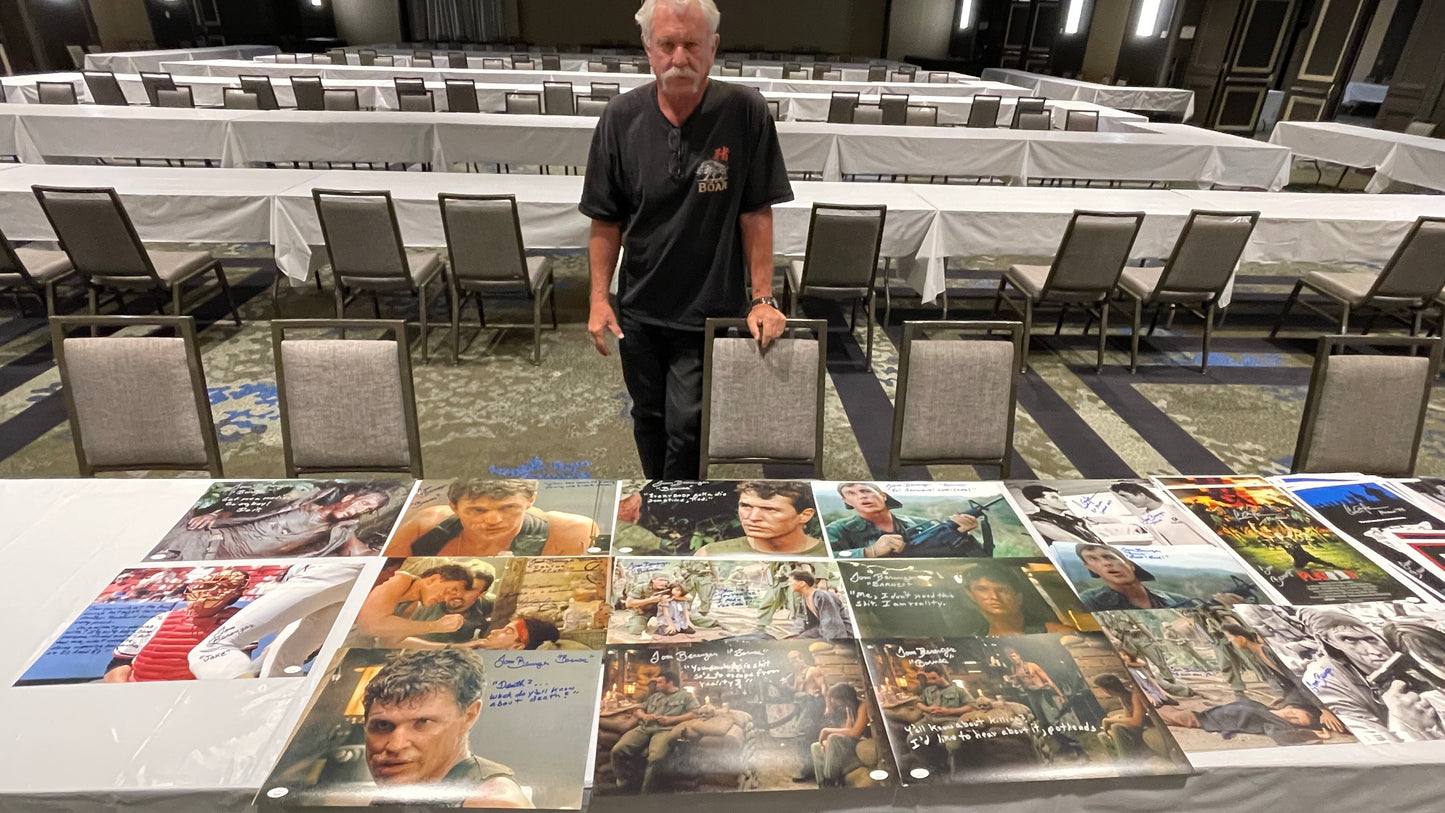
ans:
(1028, 327)
(1059, 326)
(225, 289)
(536, 331)
(1345, 320)
(868, 351)
(456, 310)
(998, 297)
(1103, 333)
(423, 301)
(1134, 336)
(1288, 304)
(1208, 334)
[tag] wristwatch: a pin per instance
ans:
(770, 301)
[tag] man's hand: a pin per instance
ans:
(1410, 712)
(600, 322)
(1331, 722)
(887, 545)
(448, 623)
(965, 522)
(201, 522)
(766, 323)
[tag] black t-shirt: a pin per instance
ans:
(678, 191)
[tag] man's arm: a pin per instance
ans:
(602, 250)
(568, 534)
(499, 791)
(376, 617)
(764, 321)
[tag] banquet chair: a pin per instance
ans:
(523, 102)
(456, 60)
(551, 62)
(309, 92)
(763, 405)
(557, 99)
(925, 115)
(841, 106)
(524, 65)
(486, 257)
(730, 71)
(337, 56)
(33, 272)
(415, 54)
(346, 404)
(983, 111)
(1084, 271)
(894, 107)
(416, 102)
(364, 246)
(605, 90)
(56, 93)
(342, 99)
(1028, 104)
(409, 84)
(821, 68)
(264, 90)
(956, 396)
(774, 107)
(938, 77)
(104, 89)
(1365, 412)
(1197, 273)
(96, 233)
(841, 262)
(135, 403)
(832, 76)
(1032, 121)
(791, 67)
(1410, 281)
(869, 114)
(153, 82)
(591, 105)
(1082, 120)
(462, 96)
(421, 62)
(239, 99)
(900, 76)
(594, 66)
(366, 56)
(494, 64)
(798, 74)
(384, 60)
(629, 67)
(1420, 128)
(175, 97)
(877, 73)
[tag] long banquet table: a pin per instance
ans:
(1396, 157)
(135, 61)
(1173, 101)
(190, 745)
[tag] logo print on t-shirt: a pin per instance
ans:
(712, 174)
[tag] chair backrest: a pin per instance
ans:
(337, 56)
(347, 405)
(605, 90)
(595, 66)
(1420, 128)
(868, 114)
(135, 402)
(77, 56)
(797, 74)
(416, 102)
(923, 115)
(1417, 268)
(1082, 120)
(340, 99)
(421, 62)
(366, 56)
(264, 90)
(558, 99)
(523, 65)
(900, 76)
(309, 92)
(956, 395)
(983, 111)
(95, 232)
(729, 71)
(462, 96)
(153, 82)
(832, 76)
(175, 97)
(629, 67)
(1040, 120)
(843, 246)
(456, 59)
(938, 77)
(409, 84)
(1365, 413)
(385, 60)
(286, 59)
(763, 405)
(792, 66)
(773, 109)
(523, 102)
(551, 62)
(1093, 253)
(841, 107)
(820, 68)
(591, 105)
(733, 63)
(361, 233)
(1206, 253)
(494, 63)
(894, 107)
(239, 99)
(877, 73)
(420, 54)
(484, 242)
(104, 89)
(1028, 104)
(56, 93)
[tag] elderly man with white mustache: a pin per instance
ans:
(684, 172)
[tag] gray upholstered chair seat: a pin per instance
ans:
(422, 264)
(173, 268)
(44, 266)
(1028, 278)
(1350, 286)
(795, 279)
(1141, 282)
(539, 271)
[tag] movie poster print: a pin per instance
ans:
(445, 728)
(1027, 708)
(1106, 512)
(1300, 558)
(1429, 491)
(1153, 578)
(757, 519)
(1378, 666)
(1215, 683)
(272, 519)
(676, 600)
(738, 715)
(946, 598)
(921, 520)
(502, 602)
(506, 517)
(210, 623)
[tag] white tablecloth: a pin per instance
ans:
(136, 61)
(1123, 97)
(1395, 157)
(953, 110)
(90, 131)
(1364, 93)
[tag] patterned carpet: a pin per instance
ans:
(496, 413)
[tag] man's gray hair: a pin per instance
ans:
(411, 675)
(644, 14)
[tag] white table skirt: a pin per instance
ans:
(89, 131)
(136, 61)
(1395, 157)
(1123, 97)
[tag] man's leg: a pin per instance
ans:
(684, 405)
(644, 355)
(657, 752)
(626, 754)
